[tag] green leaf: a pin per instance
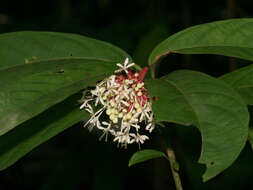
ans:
(18, 48)
(193, 98)
(38, 86)
(145, 155)
(229, 37)
(43, 69)
(242, 81)
(32, 133)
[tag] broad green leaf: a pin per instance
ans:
(44, 68)
(144, 155)
(194, 98)
(26, 47)
(229, 37)
(242, 81)
(21, 140)
(27, 90)
(251, 137)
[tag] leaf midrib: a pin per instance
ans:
(171, 50)
(11, 111)
(207, 46)
(54, 59)
(48, 93)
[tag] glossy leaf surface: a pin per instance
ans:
(20, 48)
(44, 68)
(229, 37)
(194, 98)
(242, 81)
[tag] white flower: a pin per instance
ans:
(125, 66)
(136, 126)
(138, 138)
(150, 127)
(105, 130)
(123, 101)
(85, 103)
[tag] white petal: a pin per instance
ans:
(82, 106)
(126, 61)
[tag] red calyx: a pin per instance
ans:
(130, 106)
(120, 78)
(130, 74)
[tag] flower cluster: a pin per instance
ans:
(122, 102)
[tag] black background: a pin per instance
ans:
(75, 159)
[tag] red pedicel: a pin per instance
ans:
(142, 73)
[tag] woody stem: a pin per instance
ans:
(173, 162)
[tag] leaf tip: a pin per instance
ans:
(130, 163)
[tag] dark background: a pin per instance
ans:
(75, 159)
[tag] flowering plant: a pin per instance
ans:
(41, 100)
(124, 98)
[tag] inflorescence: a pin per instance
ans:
(122, 106)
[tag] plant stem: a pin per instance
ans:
(173, 162)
